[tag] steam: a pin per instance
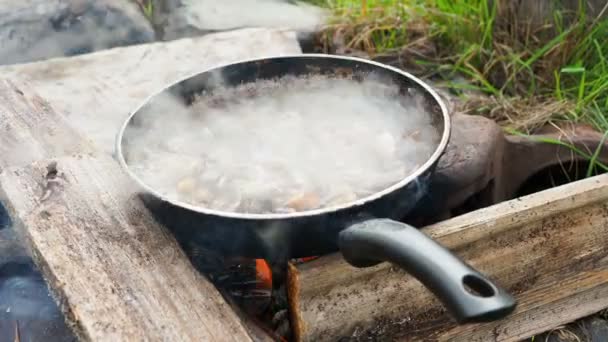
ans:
(286, 145)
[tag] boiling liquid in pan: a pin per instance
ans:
(288, 145)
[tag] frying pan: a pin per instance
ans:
(365, 231)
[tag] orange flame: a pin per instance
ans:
(263, 274)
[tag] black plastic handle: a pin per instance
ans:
(467, 294)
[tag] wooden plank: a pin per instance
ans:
(96, 92)
(117, 274)
(24, 117)
(527, 245)
(543, 308)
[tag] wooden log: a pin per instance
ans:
(549, 249)
(117, 274)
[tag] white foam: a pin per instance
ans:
(299, 144)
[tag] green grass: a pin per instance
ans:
(488, 44)
(147, 7)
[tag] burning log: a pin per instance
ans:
(548, 249)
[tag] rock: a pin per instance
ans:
(588, 329)
(596, 329)
(482, 166)
(186, 18)
(5, 221)
(33, 30)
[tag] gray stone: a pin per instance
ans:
(33, 30)
(186, 18)
(596, 329)
(589, 329)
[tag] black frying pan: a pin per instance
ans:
(365, 231)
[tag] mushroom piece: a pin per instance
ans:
(201, 197)
(415, 135)
(342, 198)
(304, 201)
(186, 186)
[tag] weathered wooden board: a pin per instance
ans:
(30, 130)
(549, 248)
(96, 92)
(546, 306)
(118, 275)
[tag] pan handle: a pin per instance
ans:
(467, 294)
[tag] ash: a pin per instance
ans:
(281, 146)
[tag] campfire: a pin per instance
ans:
(244, 237)
(261, 288)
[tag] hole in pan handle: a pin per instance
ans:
(468, 295)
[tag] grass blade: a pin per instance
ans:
(593, 159)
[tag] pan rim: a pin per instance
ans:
(439, 150)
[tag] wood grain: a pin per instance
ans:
(25, 117)
(119, 275)
(535, 243)
(544, 307)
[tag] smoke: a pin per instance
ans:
(292, 144)
(24, 295)
(25, 298)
